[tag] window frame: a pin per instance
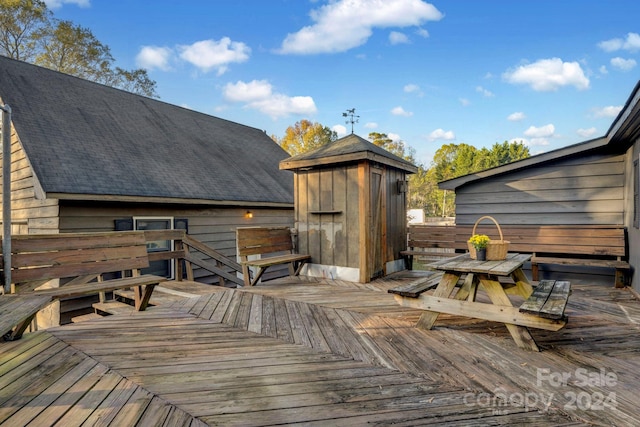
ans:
(170, 220)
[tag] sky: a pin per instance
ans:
(549, 73)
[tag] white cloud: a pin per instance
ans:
(441, 134)
(210, 54)
(340, 130)
(465, 102)
(396, 37)
(344, 24)
(516, 117)
(371, 125)
(55, 4)
(486, 93)
(422, 32)
(545, 131)
(413, 88)
(548, 75)
(603, 70)
(259, 95)
(394, 137)
(152, 57)
(607, 112)
(587, 133)
(631, 43)
(623, 64)
(399, 111)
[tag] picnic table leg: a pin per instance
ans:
(498, 297)
(468, 290)
(523, 287)
(446, 285)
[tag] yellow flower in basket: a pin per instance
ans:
(479, 241)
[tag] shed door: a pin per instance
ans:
(377, 240)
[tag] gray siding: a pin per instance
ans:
(580, 190)
(633, 154)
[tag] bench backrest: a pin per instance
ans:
(42, 257)
(263, 240)
(596, 240)
(431, 236)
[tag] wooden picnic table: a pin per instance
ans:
(498, 279)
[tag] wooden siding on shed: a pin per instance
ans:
(396, 215)
(577, 190)
(326, 203)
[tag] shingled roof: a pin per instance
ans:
(344, 150)
(87, 140)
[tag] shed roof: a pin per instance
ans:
(89, 141)
(620, 136)
(347, 149)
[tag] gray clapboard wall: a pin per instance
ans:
(578, 190)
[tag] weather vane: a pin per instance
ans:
(352, 117)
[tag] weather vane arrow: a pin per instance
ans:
(352, 118)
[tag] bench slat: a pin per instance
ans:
(548, 300)
(276, 260)
(415, 288)
(72, 291)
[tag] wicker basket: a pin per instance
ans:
(497, 249)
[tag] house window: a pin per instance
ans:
(163, 267)
(636, 193)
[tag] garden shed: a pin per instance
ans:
(350, 209)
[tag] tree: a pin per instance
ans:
(28, 32)
(397, 147)
(74, 50)
(305, 136)
(21, 25)
(452, 161)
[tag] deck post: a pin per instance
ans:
(6, 196)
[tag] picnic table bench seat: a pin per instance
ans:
(17, 312)
(269, 243)
(549, 299)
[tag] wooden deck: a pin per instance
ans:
(313, 352)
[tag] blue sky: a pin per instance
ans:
(549, 72)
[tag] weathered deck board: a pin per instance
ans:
(315, 353)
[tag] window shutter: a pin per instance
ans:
(124, 224)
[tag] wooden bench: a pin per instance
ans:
(429, 242)
(94, 263)
(270, 241)
(583, 245)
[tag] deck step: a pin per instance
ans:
(85, 317)
(113, 307)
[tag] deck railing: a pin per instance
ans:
(188, 251)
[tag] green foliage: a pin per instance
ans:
(21, 26)
(28, 32)
(305, 136)
(452, 161)
(399, 148)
